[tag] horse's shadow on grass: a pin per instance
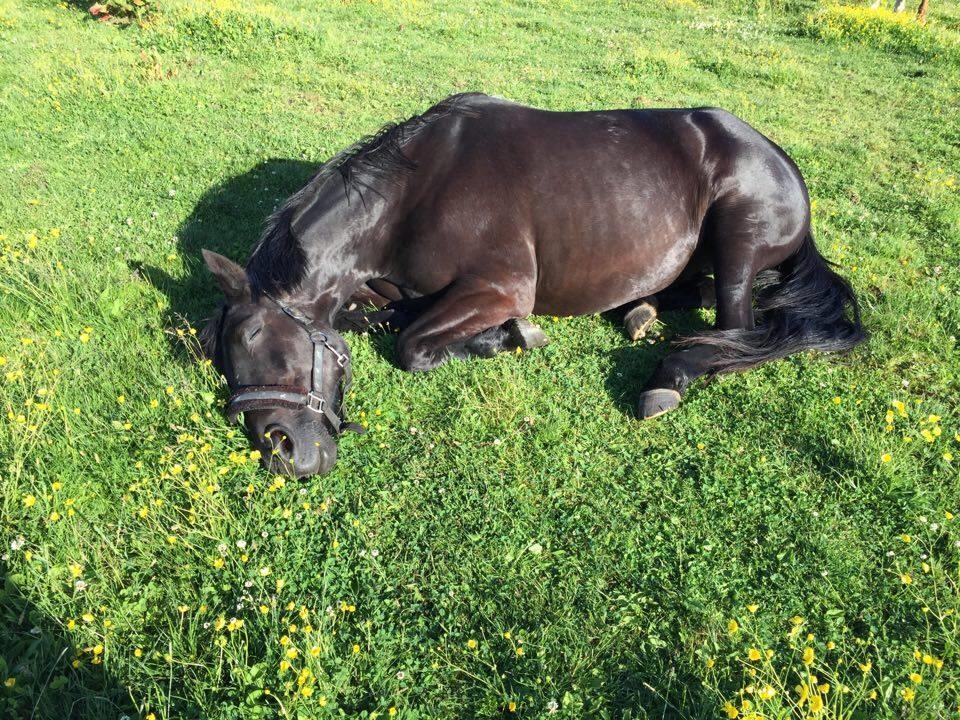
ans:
(228, 219)
(38, 678)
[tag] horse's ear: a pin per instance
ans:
(231, 278)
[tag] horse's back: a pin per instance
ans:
(599, 207)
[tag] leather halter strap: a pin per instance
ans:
(268, 397)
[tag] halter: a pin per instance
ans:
(264, 397)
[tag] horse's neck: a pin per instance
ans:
(344, 249)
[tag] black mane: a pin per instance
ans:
(278, 263)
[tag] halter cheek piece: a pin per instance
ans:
(268, 397)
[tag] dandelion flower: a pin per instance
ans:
(472, 644)
(908, 694)
(808, 656)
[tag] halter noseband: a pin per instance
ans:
(268, 397)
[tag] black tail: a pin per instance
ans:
(800, 305)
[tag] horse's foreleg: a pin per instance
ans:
(364, 309)
(472, 318)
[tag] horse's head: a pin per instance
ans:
(288, 374)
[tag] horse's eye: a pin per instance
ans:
(253, 333)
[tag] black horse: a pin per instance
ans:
(460, 222)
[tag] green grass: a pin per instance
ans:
(498, 505)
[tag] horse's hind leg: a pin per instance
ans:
(734, 294)
(685, 294)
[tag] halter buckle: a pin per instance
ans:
(315, 402)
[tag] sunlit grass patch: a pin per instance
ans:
(817, 668)
(883, 28)
(506, 540)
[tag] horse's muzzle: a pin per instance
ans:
(291, 445)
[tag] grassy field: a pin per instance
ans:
(507, 541)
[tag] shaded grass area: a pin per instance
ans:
(508, 539)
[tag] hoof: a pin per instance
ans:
(525, 335)
(656, 402)
(639, 320)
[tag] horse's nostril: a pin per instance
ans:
(280, 442)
